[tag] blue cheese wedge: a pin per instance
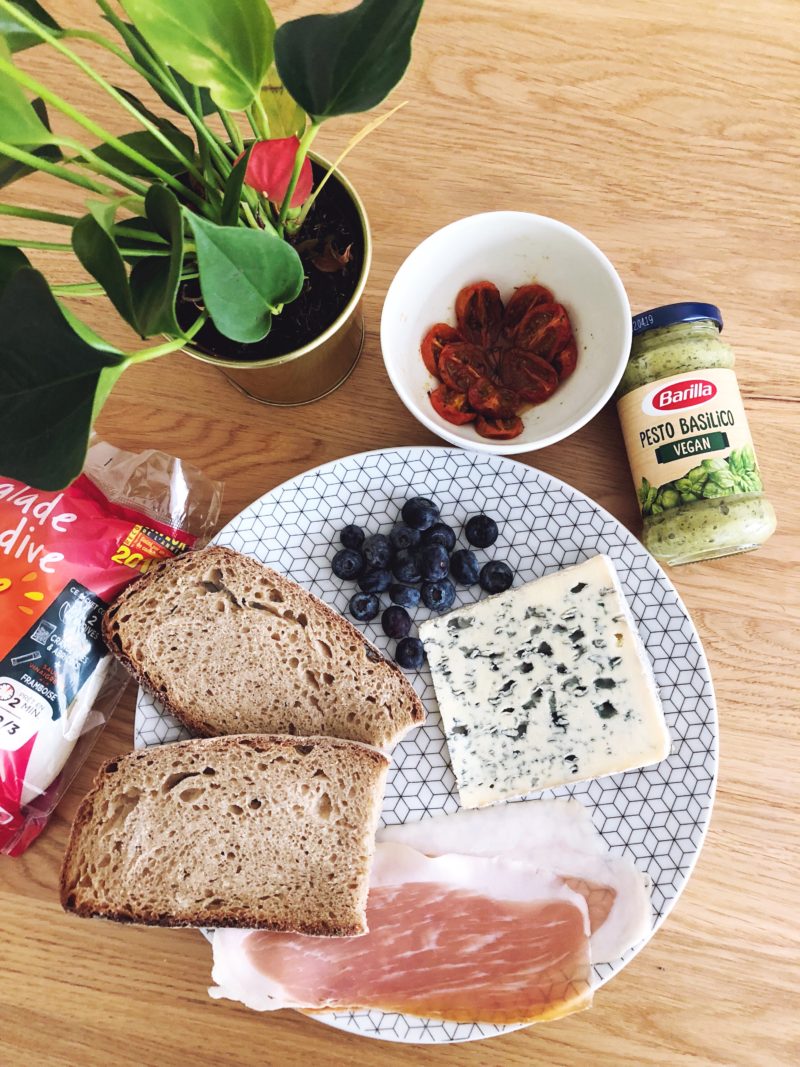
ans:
(545, 685)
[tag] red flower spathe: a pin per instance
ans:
(269, 170)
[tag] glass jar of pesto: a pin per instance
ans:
(687, 438)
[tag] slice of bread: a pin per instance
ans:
(230, 646)
(249, 831)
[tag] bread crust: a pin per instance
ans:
(238, 917)
(211, 555)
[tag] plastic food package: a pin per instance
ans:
(63, 558)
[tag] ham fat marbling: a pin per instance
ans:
(493, 915)
(462, 938)
(557, 836)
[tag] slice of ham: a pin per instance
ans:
(558, 836)
(461, 938)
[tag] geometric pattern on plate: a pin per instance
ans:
(657, 816)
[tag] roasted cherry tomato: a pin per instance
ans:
(479, 313)
(461, 364)
(531, 377)
(493, 400)
(499, 429)
(524, 298)
(434, 341)
(565, 360)
(451, 405)
(543, 330)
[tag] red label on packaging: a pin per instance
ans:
(63, 557)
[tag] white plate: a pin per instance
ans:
(657, 816)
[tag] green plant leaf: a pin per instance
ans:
(143, 244)
(103, 212)
(339, 64)
(142, 108)
(155, 279)
(97, 251)
(149, 146)
(19, 37)
(12, 170)
(207, 105)
(286, 117)
(19, 122)
(233, 190)
(49, 378)
(245, 277)
(226, 47)
(11, 260)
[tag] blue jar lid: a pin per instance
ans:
(670, 314)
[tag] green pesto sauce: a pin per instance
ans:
(704, 529)
(672, 350)
(709, 528)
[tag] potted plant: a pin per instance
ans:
(232, 242)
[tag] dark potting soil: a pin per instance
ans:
(332, 227)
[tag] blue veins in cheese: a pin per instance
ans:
(545, 685)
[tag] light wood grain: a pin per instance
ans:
(668, 133)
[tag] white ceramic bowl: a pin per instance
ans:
(510, 248)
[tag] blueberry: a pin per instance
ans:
(410, 654)
(496, 577)
(403, 536)
(464, 566)
(375, 580)
(377, 551)
(404, 595)
(434, 563)
(420, 512)
(364, 606)
(396, 622)
(347, 563)
(352, 536)
(440, 534)
(438, 596)
(481, 531)
(406, 567)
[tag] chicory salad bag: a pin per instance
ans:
(63, 558)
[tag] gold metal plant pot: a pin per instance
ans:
(311, 372)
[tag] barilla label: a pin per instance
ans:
(687, 439)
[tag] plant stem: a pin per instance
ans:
(201, 144)
(232, 130)
(40, 216)
(48, 246)
(101, 167)
(37, 163)
(139, 235)
(250, 196)
(161, 77)
(251, 119)
(250, 216)
(78, 289)
(58, 246)
(299, 159)
(44, 34)
(262, 116)
(98, 131)
(104, 42)
(145, 354)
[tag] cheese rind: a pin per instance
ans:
(545, 685)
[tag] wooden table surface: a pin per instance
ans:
(667, 133)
